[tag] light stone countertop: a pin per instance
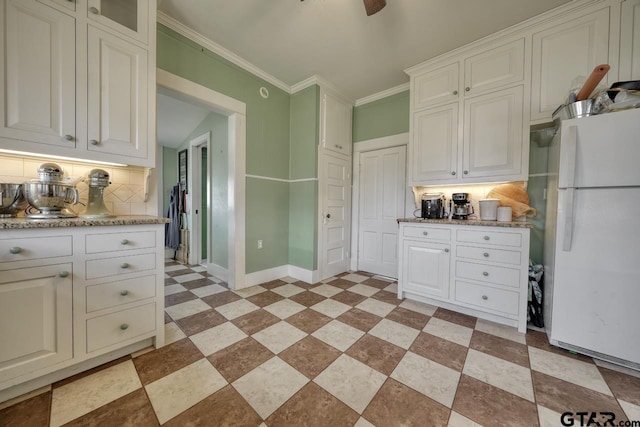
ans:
(476, 222)
(25, 223)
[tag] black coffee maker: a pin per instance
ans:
(461, 206)
(432, 206)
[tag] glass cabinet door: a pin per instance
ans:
(129, 17)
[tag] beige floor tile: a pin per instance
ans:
(392, 288)
(376, 307)
(571, 370)
(363, 423)
(217, 338)
(172, 333)
(457, 420)
(268, 386)
(188, 277)
(449, 331)
(284, 308)
(331, 308)
(326, 290)
(420, 307)
(205, 291)
(547, 417)
(351, 381)
(249, 292)
(364, 290)
(354, 277)
(199, 269)
(186, 309)
(438, 382)
(395, 333)
(182, 389)
(280, 336)
(289, 279)
(499, 373)
(338, 335)
(501, 331)
(173, 289)
(80, 397)
(236, 309)
(288, 290)
(632, 411)
(174, 268)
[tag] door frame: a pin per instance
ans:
(195, 195)
(358, 148)
(235, 110)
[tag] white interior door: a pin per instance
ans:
(335, 193)
(381, 203)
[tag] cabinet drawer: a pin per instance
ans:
(489, 254)
(428, 233)
(120, 326)
(119, 265)
(97, 243)
(490, 237)
(35, 248)
(487, 298)
(488, 273)
(112, 294)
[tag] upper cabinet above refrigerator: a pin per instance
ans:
(129, 17)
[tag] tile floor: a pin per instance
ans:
(345, 352)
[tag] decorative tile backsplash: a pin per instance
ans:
(124, 196)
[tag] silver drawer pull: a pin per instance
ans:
(15, 250)
(484, 273)
(425, 233)
(124, 326)
(484, 297)
(68, 137)
(486, 254)
(124, 265)
(124, 292)
(486, 237)
(63, 274)
(93, 142)
(446, 250)
(124, 242)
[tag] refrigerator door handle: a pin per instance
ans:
(567, 178)
(568, 219)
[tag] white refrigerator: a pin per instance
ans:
(592, 238)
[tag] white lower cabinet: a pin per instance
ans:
(477, 270)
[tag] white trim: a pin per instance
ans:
(309, 276)
(268, 178)
(322, 82)
(262, 276)
(379, 143)
(218, 272)
(382, 94)
(194, 172)
(535, 175)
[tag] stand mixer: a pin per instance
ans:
(97, 181)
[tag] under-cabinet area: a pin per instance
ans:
(74, 296)
(466, 266)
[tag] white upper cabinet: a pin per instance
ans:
(335, 124)
(129, 17)
(436, 87)
(38, 63)
(563, 51)
(69, 5)
(630, 41)
(496, 67)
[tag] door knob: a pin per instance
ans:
(328, 216)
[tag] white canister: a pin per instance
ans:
(504, 213)
(489, 209)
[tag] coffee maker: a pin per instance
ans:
(461, 208)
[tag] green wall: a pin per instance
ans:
(384, 117)
(169, 175)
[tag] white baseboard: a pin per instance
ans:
(262, 276)
(218, 272)
(304, 275)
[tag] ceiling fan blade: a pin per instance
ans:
(374, 6)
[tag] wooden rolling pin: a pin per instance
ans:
(592, 82)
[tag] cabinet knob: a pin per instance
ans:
(485, 274)
(124, 326)
(484, 297)
(486, 254)
(425, 233)
(455, 92)
(63, 274)
(94, 10)
(453, 172)
(93, 142)
(124, 292)
(328, 216)
(68, 137)
(466, 172)
(124, 242)
(446, 250)
(467, 89)
(124, 265)
(486, 237)
(15, 250)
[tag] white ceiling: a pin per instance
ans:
(293, 40)
(176, 119)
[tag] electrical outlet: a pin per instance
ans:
(259, 244)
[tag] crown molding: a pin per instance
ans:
(322, 82)
(382, 94)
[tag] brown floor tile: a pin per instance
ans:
(255, 321)
(223, 408)
(198, 283)
(454, 317)
(500, 347)
(221, 298)
(624, 387)
(408, 318)
(440, 350)
(312, 406)
(134, 409)
(179, 272)
(307, 298)
(90, 371)
(376, 353)
(263, 299)
(398, 405)
(310, 356)
(364, 273)
(169, 263)
(166, 360)
(273, 284)
(178, 298)
(349, 298)
(342, 284)
(308, 320)
(199, 322)
(35, 411)
(305, 284)
(491, 406)
(359, 319)
(238, 359)
(539, 340)
(168, 282)
(376, 283)
(388, 297)
(562, 396)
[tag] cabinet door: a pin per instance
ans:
(493, 134)
(499, 66)
(436, 87)
(426, 268)
(434, 145)
(117, 96)
(630, 41)
(563, 52)
(336, 125)
(37, 73)
(35, 319)
(128, 17)
(69, 5)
